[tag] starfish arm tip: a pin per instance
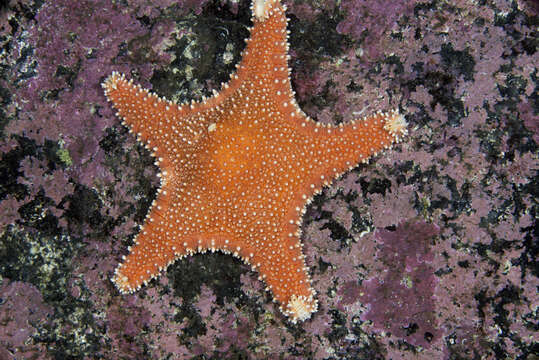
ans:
(396, 124)
(121, 282)
(300, 308)
(111, 82)
(261, 8)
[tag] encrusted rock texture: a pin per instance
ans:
(427, 252)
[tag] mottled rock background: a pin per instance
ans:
(427, 252)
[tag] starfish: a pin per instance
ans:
(238, 169)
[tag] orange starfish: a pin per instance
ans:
(239, 168)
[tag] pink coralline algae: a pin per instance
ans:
(22, 314)
(402, 301)
(427, 252)
(369, 20)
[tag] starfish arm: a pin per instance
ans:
(172, 230)
(282, 267)
(264, 62)
(152, 249)
(363, 138)
(267, 46)
(340, 148)
(157, 246)
(161, 124)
